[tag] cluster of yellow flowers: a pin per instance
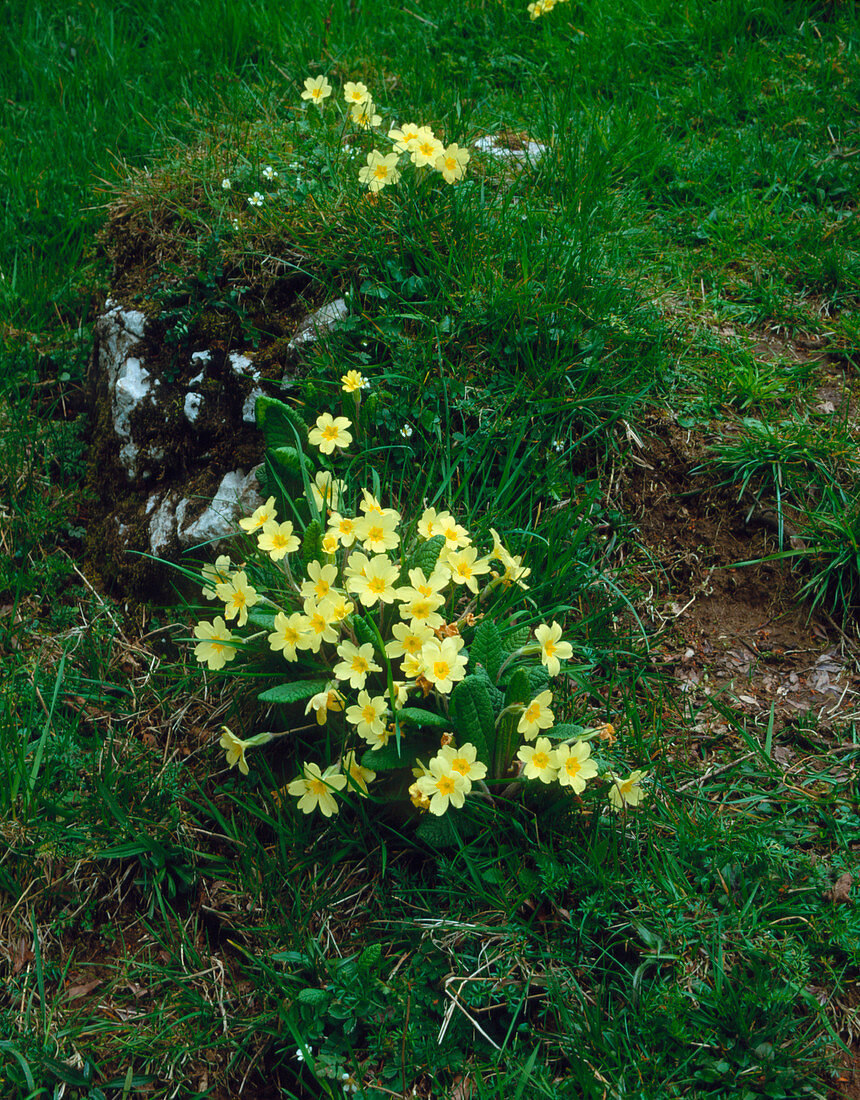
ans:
(542, 7)
(346, 607)
(419, 142)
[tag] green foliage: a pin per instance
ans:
(292, 692)
(280, 424)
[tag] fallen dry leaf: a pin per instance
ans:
(75, 991)
(841, 891)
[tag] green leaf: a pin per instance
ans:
(426, 556)
(312, 543)
(292, 693)
(370, 956)
(473, 717)
(363, 631)
(519, 638)
(437, 831)
(566, 732)
(276, 420)
(538, 680)
(519, 688)
(313, 996)
(486, 648)
(495, 696)
(264, 619)
(287, 462)
(418, 717)
(387, 758)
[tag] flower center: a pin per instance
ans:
(441, 670)
(359, 664)
(330, 433)
(368, 714)
(461, 765)
(532, 713)
(572, 766)
(376, 585)
(540, 760)
(445, 784)
(549, 647)
(318, 787)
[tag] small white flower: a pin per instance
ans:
(226, 184)
(269, 173)
(300, 1054)
(235, 223)
(365, 385)
(406, 431)
(558, 445)
(256, 199)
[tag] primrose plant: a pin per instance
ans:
(397, 638)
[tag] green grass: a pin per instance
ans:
(695, 199)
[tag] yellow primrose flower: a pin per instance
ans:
(376, 584)
(412, 666)
(462, 761)
(408, 639)
(319, 625)
(443, 665)
(214, 648)
(466, 567)
(425, 148)
(362, 114)
(368, 715)
(452, 162)
(238, 597)
(317, 88)
(325, 490)
(540, 759)
(277, 539)
(575, 766)
(352, 381)
(218, 573)
(376, 532)
(327, 699)
(288, 635)
(422, 586)
(430, 523)
(343, 528)
(320, 580)
(401, 693)
(235, 749)
(419, 801)
(422, 611)
(330, 432)
(552, 650)
(355, 92)
(626, 792)
(380, 171)
(443, 787)
(314, 789)
(536, 717)
(356, 662)
(336, 607)
(329, 544)
(404, 136)
(259, 517)
(359, 776)
(515, 571)
(356, 566)
(370, 505)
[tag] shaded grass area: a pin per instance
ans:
(699, 172)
